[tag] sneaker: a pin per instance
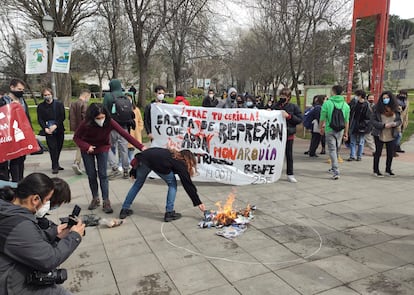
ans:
(107, 207)
(169, 216)
(323, 152)
(292, 179)
(125, 175)
(306, 153)
(378, 174)
(328, 161)
(124, 213)
(350, 159)
(94, 204)
(55, 171)
(359, 159)
(61, 168)
(340, 160)
(331, 170)
(114, 174)
(389, 173)
(335, 175)
(314, 156)
(76, 169)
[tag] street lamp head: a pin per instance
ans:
(48, 23)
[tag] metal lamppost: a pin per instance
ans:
(48, 24)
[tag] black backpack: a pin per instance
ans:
(337, 120)
(122, 111)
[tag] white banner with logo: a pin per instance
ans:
(232, 146)
(36, 56)
(62, 52)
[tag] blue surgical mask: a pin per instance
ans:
(386, 100)
(249, 103)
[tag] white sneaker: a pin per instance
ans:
(76, 169)
(291, 178)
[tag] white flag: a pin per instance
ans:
(36, 56)
(61, 54)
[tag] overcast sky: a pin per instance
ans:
(403, 8)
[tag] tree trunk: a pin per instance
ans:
(143, 76)
(64, 88)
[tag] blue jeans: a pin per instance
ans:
(334, 140)
(141, 176)
(90, 167)
(357, 145)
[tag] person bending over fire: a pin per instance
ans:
(166, 163)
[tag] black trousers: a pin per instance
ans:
(289, 156)
(13, 168)
(4, 171)
(55, 143)
(314, 143)
(390, 146)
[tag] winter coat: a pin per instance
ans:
(181, 100)
(360, 115)
(25, 247)
(147, 116)
(337, 101)
(229, 103)
(378, 125)
(115, 89)
(77, 113)
(295, 115)
(54, 111)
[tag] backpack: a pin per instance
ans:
(308, 118)
(121, 111)
(337, 119)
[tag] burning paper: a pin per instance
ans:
(231, 221)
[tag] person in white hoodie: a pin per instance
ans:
(231, 102)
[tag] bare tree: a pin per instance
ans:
(68, 16)
(148, 20)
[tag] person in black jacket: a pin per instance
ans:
(166, 163)
(159, 98)
(210, 101)
(293, 117)
(24, 246)
(316, 136)
(50, 115)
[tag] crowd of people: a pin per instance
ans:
(107, 135)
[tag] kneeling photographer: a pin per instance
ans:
(28, 256)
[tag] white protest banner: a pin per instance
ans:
(233, 146)
(61, 54)
(36, 56)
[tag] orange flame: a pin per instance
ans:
(226, 213)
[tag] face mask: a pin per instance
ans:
(233, 97)
(282, 99)
(48, 98)
(211, 95)
(43, 210)
(386, 100)
(18, 94)
(239, 102)
(249, 103)
(160, 96)
(100, 122)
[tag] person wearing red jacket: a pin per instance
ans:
(180, 99)
(93, 139)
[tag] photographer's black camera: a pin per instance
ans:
(56, 276)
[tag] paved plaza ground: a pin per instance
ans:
(351, 236)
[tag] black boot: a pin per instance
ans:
(399, 150)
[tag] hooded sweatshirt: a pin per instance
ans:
(181, 100)
(115, 89)
(25, 247)
(337, 101)
(230, 104)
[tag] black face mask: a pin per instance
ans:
(282, 99)
(233, 97)
(18, 94)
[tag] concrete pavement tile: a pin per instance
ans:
(241, 266)
(265, 284)
(311, 249)
(86, 256)
(339, 291)
(254, 239)
(337, 208)
(338, 222)
(344, 268)
(157, 242)
(397, 227)
(405, 274)
(376, 259)
(91, 238)
(136, 266)
(380, 284)
(126, 248)
(217, 246)
(157, 283)
(262, 220)
(227, 290)
(109, 290)
(289, 233)
(402, 248)
(368, 235)
(387, 213)
(197, 277)
(276, 257)
(314, 212)
(96, 276)
(292, 204)
(315, 200)
(342, 242)
(173, 258)
(127, 230)
(285, 217)
(365, 217)
(308, 278)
